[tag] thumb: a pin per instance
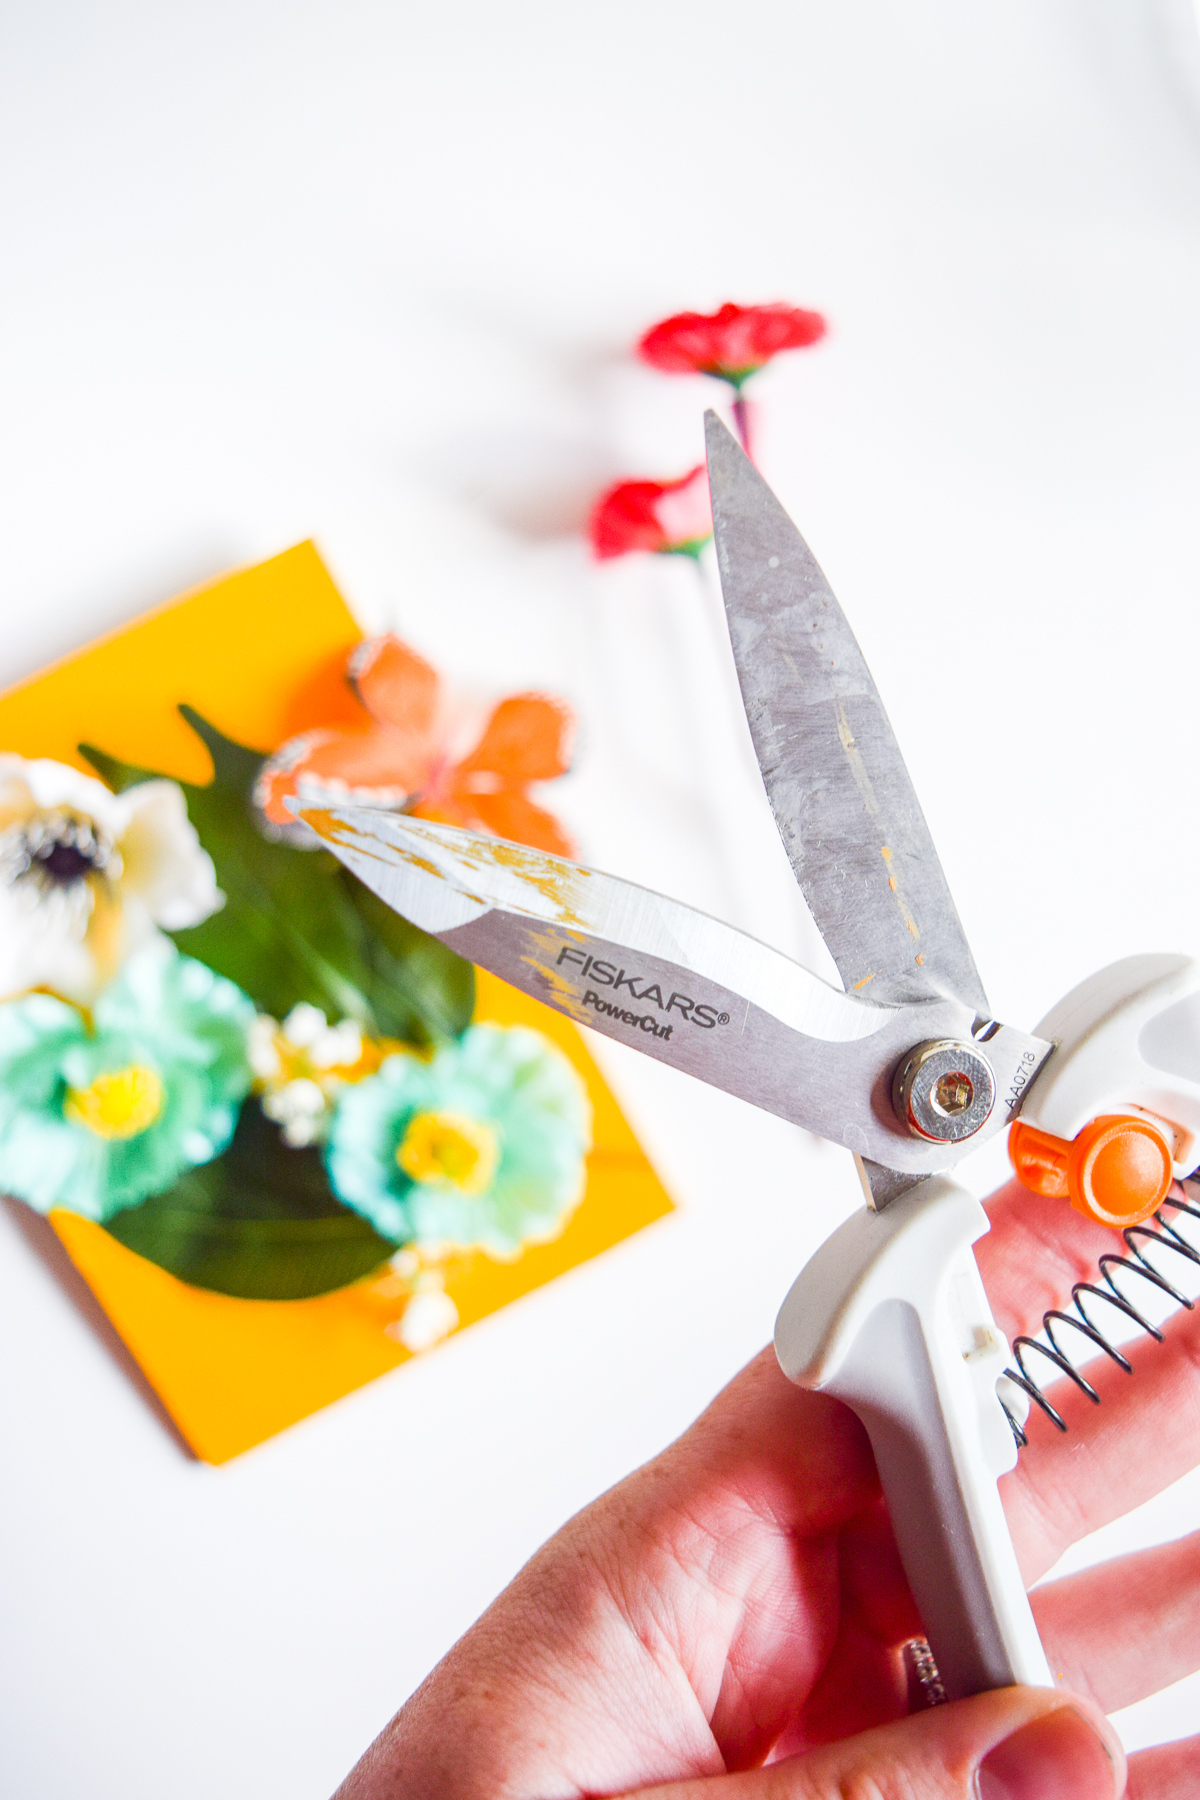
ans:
(1013, 1744)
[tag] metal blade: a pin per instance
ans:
(651, 972)
(838, 787)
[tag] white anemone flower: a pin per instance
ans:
(87, 877)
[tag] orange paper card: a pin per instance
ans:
(261, 654)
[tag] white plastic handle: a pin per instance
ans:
(890, 1316)
(1127, 1036)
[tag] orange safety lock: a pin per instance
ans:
(1117, 1171)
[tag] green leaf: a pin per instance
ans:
(119, 775)
(298, 926)
(235, 766)
(259, 1222)
(415, 977)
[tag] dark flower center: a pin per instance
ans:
(65, 863)
(56, 851)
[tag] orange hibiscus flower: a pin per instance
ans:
(402, 755)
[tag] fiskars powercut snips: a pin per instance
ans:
(906, 1067)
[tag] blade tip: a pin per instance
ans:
(716, 433)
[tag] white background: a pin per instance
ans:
(369, 272)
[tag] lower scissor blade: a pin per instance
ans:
(651, 972)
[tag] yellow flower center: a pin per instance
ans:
(450, 1150)
(117, 1105)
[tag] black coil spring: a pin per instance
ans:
(1137, 1240)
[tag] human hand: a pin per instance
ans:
(741, 1597)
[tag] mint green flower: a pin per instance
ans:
(97, 1119)
(481, 1147)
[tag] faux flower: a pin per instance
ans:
(671, 518)
(407, 753)
(87, 876)
(300, 1065)
(97, 1117)
(482, 1147)
(731, 343)
(430, 1314)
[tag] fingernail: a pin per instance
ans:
(1058, 1757)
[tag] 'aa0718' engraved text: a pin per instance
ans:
(1020, 1081)
(606, 974)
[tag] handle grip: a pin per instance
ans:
(891, 1317)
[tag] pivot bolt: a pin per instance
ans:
(944, 1090)
(952, 1094)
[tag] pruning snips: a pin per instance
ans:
(905, 1066)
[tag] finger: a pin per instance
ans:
(1014, 1744)
(1143, 1436)
(1168, 1772)
(1034, 1254)
(1126, 1628)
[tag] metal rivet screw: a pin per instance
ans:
(944, 1090)
(952, 1094)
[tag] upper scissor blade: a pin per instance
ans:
(656, 974)
(841, 795)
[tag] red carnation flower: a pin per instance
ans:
(731, 343)
(671, 518)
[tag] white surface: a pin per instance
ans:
(366, 272)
